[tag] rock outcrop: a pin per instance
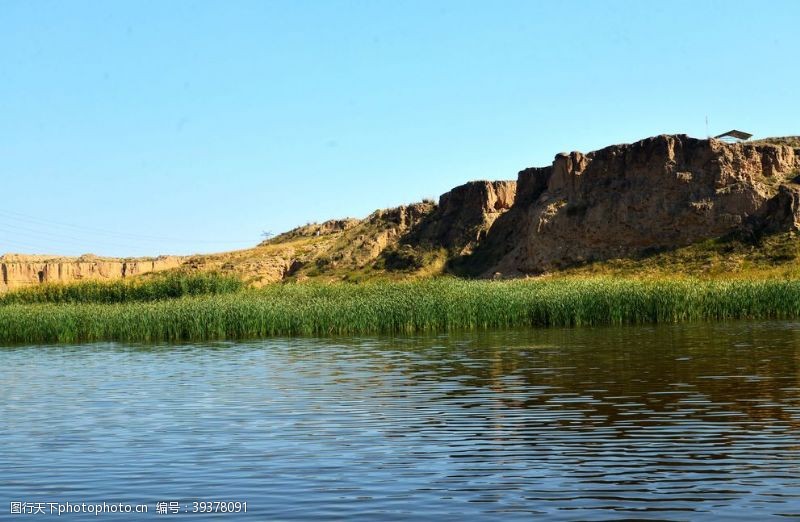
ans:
(18, 270)
(464, 215)
(625, 200)
(332, 226)
(360, 245)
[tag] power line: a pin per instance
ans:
(16, 216)
(17, 243)
(52, 237)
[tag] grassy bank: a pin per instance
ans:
(775, 256)
(426, 305)
(152, 287)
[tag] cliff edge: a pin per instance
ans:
(627, 200)
(20, 270)
(623, 201)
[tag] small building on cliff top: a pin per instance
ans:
(734, 136)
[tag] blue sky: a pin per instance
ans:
(139, 128)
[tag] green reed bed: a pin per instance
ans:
(147, 288)
(405, 307)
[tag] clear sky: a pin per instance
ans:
(139, 128)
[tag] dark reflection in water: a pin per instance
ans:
(670, 422)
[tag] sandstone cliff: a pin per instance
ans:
(625, 200)
(412, 237)
(622, 201)
(464, 215)
(18, 270)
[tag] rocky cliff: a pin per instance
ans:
(464, 216)
(626, 200)
(622, 201)
(23, 270)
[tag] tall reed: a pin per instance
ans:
(400, 307)
(153, 287)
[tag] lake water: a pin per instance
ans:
(679, 422)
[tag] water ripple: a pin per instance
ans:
(670, 422)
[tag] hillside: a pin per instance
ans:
(668, 204)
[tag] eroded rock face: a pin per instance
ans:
(624, 200)
(465, 214)
(332, 226)
(662, 192)
(24, 270)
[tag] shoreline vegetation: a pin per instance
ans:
(151, 287)
(197, 307)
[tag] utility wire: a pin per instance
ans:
(52, 237)
(16, 216)
(14, 242)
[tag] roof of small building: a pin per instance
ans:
(735, 134)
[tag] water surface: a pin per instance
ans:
(678, 422)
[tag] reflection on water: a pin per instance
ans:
(669, 422)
